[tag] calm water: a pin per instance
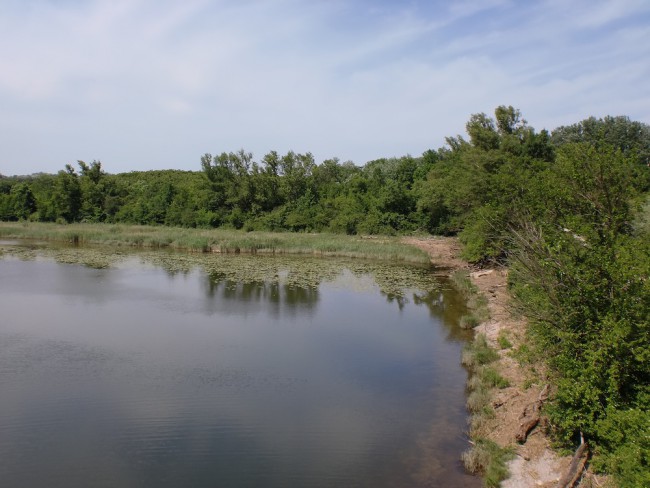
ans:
(144, 376)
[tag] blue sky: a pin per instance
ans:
(153, 84)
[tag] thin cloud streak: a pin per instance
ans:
(140, 84)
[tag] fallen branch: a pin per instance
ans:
(576, 468)
(531, 416)
(478, 274)
(525, 427)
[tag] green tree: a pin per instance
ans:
(93, 192)
(23, 202)
(267, 183)
(582, 277)
(475, 187)
(296, 170)
(67, 196)
(632, 138)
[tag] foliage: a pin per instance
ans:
(476, 184)
(562, 210)
(624, 447)
(22, 201)
(233, 190)
(631, 138)
(582, 276)
(66, 198)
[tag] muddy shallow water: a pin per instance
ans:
(163, 369)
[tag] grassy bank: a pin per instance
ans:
(484, 457)
(218, 240)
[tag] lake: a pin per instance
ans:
(160, 369)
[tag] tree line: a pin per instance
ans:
(287, 192)
(565, 209)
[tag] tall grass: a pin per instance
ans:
(218, 240)
(487, 458)
(478, 353)
(484, 457)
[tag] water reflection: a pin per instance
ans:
(198, 373)
(279, 298)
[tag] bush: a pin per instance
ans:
(624, 446)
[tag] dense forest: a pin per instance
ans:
(566, 210)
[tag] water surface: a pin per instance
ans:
(165, 371)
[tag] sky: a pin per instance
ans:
(155, 84)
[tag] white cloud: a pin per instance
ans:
(144, 83)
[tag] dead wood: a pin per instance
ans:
(530, 416)
(525, 427)
(576, 467)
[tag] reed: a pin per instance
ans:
(218, 240)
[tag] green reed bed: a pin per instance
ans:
(218, 240)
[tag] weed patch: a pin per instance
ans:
(487, 458)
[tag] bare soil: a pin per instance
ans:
(535, 463)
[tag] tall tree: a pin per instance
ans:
(67, 197)
(23, 201)
(93, 191)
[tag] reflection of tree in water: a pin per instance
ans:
(448, 305)
(400, 300)
(443, 301)
(281, 298)
(287, 283)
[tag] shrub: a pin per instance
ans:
(624, 446)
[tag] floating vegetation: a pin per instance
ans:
(396, 281)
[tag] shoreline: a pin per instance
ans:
(535, 463)
(218, 241)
